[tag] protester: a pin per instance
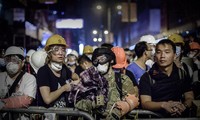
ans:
(17, 87)
(122, 96)
(54, 79)
(163, 86)
(121, 63)
(138, 67)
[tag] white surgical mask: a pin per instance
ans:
(2, 62)
(191, 55)
(89, 56)
(103, 68)
(71, 63)
(178, 50)
(153, 51)
(56, 66)
(12, 68)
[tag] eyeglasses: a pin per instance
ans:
(58, 50)
(12, 58)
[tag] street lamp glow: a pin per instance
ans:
(105, 32)
(119, 7)
(99, 39)
(94, 32)
(95, 39)
(99, 7)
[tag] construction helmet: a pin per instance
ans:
(121, 60)
(37, 59)
(87, 49)
(55, 40)
(103, 51)
(194, 46)
(30, 52)
(177, 39)
(149, 39)
(74, 52)
(14, 50)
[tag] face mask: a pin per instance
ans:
(2, 62)
(191, 55)
(71, 63)
(103, 68)
(56, 66)
(178, 50)
(12, 68)
(153, 51)
(89, 56)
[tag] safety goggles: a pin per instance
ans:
(12, 58)
(100, 60)
(58, 50)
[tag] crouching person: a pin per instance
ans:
(18, 88)
(122, 96)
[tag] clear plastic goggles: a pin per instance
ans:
(100, 60)
(12, 58)
(58, 50)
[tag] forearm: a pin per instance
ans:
(154, 106)
(49, 97)
(189, 97)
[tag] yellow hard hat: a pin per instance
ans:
(177, 39)
(55, 40)
(87, 49)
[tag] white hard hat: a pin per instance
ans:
(37, 59)
(74, 52)
(30, 52)
(14, 50)
(149, 39)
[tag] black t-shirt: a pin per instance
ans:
(45, 77)
(162, 87)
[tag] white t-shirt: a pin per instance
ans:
(26, 86)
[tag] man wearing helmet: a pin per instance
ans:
(71, 60)
(54, 77)
(120, 91)
(179, 42)
(18, 88)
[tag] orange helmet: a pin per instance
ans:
(121, 60)
(194, 46)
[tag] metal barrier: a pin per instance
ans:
(138, 113)
(41, 110)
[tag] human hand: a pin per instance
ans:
(67, 87)
(178, 108)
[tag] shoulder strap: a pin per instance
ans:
(119, 83)
(12, 88)
(185, 67)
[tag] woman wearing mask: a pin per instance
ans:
(54, 78)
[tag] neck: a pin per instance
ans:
(167, 70)
(141, 62)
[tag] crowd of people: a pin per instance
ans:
(108, 80)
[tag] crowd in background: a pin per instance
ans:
(110, 81)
